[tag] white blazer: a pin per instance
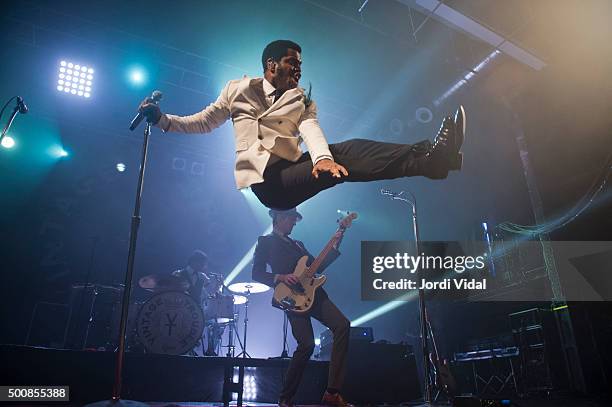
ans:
(261, 131)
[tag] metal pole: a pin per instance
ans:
(427, 396)
(130, 266)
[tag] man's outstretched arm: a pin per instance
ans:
(211, 117)
(311, 132)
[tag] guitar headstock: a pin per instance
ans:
(347, 221)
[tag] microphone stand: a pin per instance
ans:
(427, 396)
(116, 401)
(16, 110)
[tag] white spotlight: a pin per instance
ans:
(73, 77)
(8, 142)
(120, 167)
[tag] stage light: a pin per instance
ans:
(137, 76)
(58, 152)
(383, 309)
(120, 167)
(71, 75)
(249, 386)
(317, 341)
(8, 142)
(246, 259)
(467, 77)
(179, 164)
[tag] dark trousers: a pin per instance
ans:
(329, 315)
(287, 184)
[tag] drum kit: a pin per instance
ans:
(172, 322)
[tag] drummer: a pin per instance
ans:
(202, 286)
(196, 275)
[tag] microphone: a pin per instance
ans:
(23, 109)
(156, 97)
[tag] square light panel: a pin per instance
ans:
(75, 79)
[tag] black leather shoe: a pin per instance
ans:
(444, 155)
(285, 403)
(459, 130)
(334, 400)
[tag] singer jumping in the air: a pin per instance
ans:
(271, 117)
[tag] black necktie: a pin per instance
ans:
(277, 95)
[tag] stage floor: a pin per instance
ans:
(196, 380)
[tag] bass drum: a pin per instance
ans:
(170, 323)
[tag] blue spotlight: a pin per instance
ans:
(58, 152)
(137, 76)
(8, 142)
(383, 309)
(121, 167)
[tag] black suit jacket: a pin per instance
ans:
(282, 256)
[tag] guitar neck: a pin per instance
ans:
(314, 266)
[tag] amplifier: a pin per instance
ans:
(378, 373)
(358, 333)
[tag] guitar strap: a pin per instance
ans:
(293, 243)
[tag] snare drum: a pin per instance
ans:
(219, 308)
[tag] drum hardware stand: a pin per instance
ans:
(116, 401)
(91, 313)
(285, 353)
(230, 341)
(427, 393)
(95, 291)
(244, 352)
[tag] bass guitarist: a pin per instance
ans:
(282, 254)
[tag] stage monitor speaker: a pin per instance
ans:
(381, 373)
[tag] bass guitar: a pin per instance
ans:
(299, 297)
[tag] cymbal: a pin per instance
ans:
(157, 282)
(248, 287)
(79, 286)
